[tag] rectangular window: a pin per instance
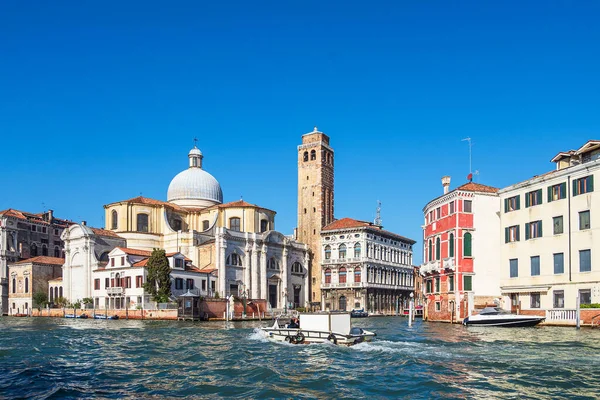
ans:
(511, 234)
(234, 224)
(44, 229)
(585, 261)
(33, 228)
(583, 185)
(189, 284)
(584, 220)
(514, 268)
(557, 224)
(128, 282)
(467, 282)
(429, 286)
(559, 299)
(213, 285)
(203, 284)
(56, 232)
(535, 300)
(451, 283)
(139, 281)
(535, 265)
(559, 263)
(533, 198)
(438, 213)
(467, 206)
(533, 230)
(179, 262)
(112, 262)
(512, 204)
(122, 260)
(106, 282)
(451, 207)
(557, 192)
(437, 285)
(96, 284)
(585, 296)
(438, 306)
(178, 283)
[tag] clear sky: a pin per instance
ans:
(100, 101)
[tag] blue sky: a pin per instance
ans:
(100, 101)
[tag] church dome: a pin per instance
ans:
(195, 187)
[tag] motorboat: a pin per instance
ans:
(82, 316)
(102, 316)
(496, 316)
(333, 327)
(359, 313)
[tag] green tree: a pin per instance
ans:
(40, 299)
(158, 282)
(61, 301)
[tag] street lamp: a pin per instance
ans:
(285, 295)
(244, 294)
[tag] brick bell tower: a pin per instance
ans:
(315, 199)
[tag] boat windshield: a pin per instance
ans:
(493, 311)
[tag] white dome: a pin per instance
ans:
(195, 187)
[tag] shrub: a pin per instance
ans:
(593, 305)
(301, 309)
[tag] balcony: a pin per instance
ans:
(342, 260)
(449, 263)
(114, 290)
(337, 285)
(430, 267)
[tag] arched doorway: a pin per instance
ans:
(343, 303)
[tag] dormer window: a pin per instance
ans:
(179, 263)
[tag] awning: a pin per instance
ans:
(525, 289)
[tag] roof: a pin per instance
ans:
(150, 202)
(347, 223)
(56, 279)
(237, 204)
(207, 270)
(39, 217)
(104, 232)
(477, 187)
(588, 146)
(43, 260)
(135, 252)
(141, 263)
(177, 252)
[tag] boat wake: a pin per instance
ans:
(258, 335)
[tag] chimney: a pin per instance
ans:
(83, 222)
(446, 183)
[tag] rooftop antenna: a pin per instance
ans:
(43, 206)
(378, 214)
(468, 139)
(476, 173)
(195, 142)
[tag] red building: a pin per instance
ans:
(460, 237)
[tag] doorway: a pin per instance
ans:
(343, 303)
(273, 296)
(514, 303)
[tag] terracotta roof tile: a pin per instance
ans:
(141, 263)
(43, 260)
(477, 187)
(104, 232)
(151, 202)
(178, 252)
(346, 223)
(238, 203)
(38, 218)
(135, 252)
(56, 279)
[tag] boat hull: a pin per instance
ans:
(299, 336)
(504, 322)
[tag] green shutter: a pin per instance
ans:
(575, 188)
(563, 190)
(518, 233)
(527, 224)
(505, 205)
(590, 183)
(540, 228)
(526, 200)
(506, 235)
(539, 196)
(467, 244)
(549, 194)
(518, 202)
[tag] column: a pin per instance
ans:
(307, 297)
(222, 246)
(284, 277)
(255, 272)
(247, 277)
(263, 274)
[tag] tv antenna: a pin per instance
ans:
(378, 214)
(468, 139)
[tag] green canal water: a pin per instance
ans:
(62, 358)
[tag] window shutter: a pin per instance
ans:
(518, 202)
(506, 235)
(527, 200)
(505, 205)
(539, 196)
(563, 190)
(518, 232)
(540, 228)
(527, 230)
(591, 183)
(575, 187)
(549, 194)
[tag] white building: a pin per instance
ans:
(364, 266)
(550, 241)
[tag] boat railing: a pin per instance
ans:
(569, 315)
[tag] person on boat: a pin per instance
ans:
(294, 323)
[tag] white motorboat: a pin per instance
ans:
(319, 328)
(495, 316)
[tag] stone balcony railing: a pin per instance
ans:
(114, 290)
(436, 266)
(360, 285)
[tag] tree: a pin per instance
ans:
(40, 299)
(61, 301)
(158, 282)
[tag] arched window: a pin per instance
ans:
(60, 292)
(297, 268)
(51, 295)
(117, 280)
(272, 263)
(437, 248)
(467, 245)
(234, 224)
(56, 293)
(205, 225)
(313, 155)
(342, 275)
(357, 274)
(26, 285)
(342, 251)
(44, 250)
(306, 156)
(33, 250)
(264, 225)
(430, 250)
(234, 259)
(451, 245)
(14, 285)
(327, 275)
(177, 224)
(56, 251)
(142, 222)
(357, 250)
(327, 252)
(114, 219)
(343, 303)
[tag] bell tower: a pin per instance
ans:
(315, 199)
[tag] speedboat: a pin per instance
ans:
(495, 316)
(319, 328)
(102, 316)
(359, 313)
(81, 316)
